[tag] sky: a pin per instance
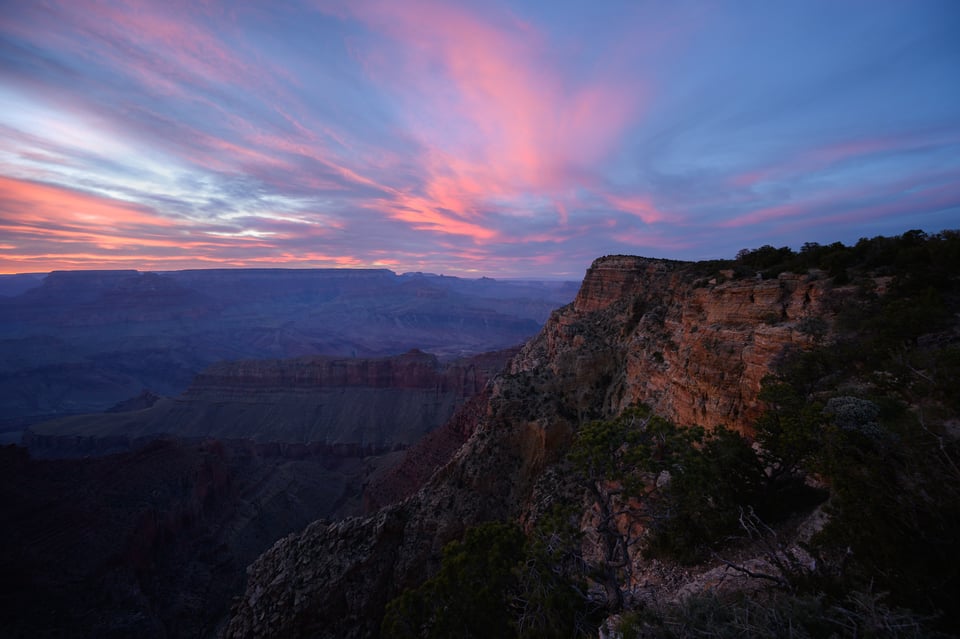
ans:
(503, 139)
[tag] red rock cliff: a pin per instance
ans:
(694, 348)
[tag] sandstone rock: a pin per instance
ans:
(695, 352)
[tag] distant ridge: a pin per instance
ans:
(367, 405)
(76, 342)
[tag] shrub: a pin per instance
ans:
(472, 594)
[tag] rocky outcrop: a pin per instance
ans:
(614, 278)
(693, 345)
(694, 348)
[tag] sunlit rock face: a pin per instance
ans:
(694, 348)
(693, 345)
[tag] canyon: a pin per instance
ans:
(690, 342)
(152, 511)
(176, 424)
(77, 342)
(297, 497)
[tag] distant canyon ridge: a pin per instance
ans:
(74, 342)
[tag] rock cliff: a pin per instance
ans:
(694, 348)
(694, 345)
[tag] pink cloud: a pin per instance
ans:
(495, 114)
(423, 214)
(494, 121)
(771, 213)
(641, 206)
(920, 201)
(158, 48)
(654, 242)
(64, 222)
(34, 204)
(166, 49)
(47, 227)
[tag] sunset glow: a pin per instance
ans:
(501, 139)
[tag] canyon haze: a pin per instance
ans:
(74, 342)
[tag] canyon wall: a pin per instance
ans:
(303, 406)
(694, 345)
(414, 369)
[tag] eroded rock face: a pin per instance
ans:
(371, 405)
(639, 331)
(414, 369)
(694, 349)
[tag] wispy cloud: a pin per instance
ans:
(462, 137)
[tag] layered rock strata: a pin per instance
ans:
(310, 404)
(77, 342)
(694, 348)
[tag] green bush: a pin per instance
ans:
(471, 596)
(497, 583)
(698, 510)
(869, 413)
(711, 476)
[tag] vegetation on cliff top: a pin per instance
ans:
(869, 416)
